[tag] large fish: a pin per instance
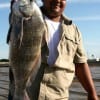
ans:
(25, 44)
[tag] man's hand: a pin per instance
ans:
(83, 74)
(92, 97)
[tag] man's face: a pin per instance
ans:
(54, 8)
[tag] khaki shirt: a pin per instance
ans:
(70, 47)
(58, 77)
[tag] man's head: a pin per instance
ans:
(54, 8)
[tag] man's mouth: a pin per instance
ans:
(56, 6)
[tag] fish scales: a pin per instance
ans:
(25, 54)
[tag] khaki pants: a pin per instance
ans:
(55, 84)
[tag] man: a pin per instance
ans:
(65, 50)
(62, 56)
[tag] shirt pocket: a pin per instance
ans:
(69, 44)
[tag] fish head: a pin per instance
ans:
(23, 8)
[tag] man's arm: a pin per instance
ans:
(83, 74)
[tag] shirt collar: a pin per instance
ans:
(66, 20)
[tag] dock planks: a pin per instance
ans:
(76, 91)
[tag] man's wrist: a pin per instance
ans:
(92, 96)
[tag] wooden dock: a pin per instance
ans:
(4, 82)
(76, 91)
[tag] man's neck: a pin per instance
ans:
(55, 19)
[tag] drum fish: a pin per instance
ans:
(25, 44)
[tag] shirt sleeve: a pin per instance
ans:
(80, 55)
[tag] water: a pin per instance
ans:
(76, 91)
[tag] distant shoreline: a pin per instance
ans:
(91, 64)
(4, 64)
